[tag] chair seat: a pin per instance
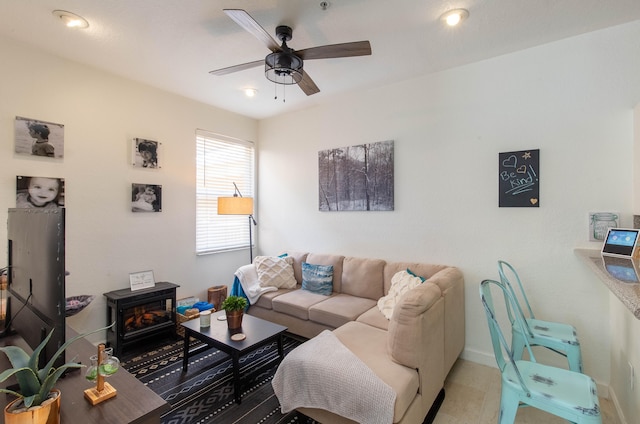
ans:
(565, 393)
(554, 330)
(559, 337)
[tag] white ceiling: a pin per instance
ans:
(173, 44)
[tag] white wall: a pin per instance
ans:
(571, 99)
(102, 113)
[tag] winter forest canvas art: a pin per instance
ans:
(357, 178)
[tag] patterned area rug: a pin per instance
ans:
(204, 394)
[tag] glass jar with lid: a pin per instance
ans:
(601, 222)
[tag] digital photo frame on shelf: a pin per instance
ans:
(621, 242)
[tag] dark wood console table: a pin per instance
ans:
(134, 403)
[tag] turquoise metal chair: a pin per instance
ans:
(558, 337)
(567, 394)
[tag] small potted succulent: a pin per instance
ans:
(234, 308)
(35, 385)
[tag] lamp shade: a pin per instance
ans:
(235, 205)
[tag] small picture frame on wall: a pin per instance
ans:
(39, 192)
(146, 198)
(145, 153)
(38, 138)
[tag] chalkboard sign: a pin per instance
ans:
(519, 179)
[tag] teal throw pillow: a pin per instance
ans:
(317, 278)
(413, 274)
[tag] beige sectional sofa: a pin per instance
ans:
(412, 352)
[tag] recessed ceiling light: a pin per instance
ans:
(250, 92)
(455, 16)
(71, 20)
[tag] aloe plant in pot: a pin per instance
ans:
(35, 384)
(234, 307)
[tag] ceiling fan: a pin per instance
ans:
(285, 65)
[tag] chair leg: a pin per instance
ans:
(574, 356)
(508, 407)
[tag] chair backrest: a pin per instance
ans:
(498, 340)
(504, 278)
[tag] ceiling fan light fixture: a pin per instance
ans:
(283, 68)
(455, 16)
(71, 20)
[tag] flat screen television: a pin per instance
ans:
(36, 274)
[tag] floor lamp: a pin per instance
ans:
(238, 205)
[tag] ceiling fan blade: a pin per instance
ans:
(356, 48)
(237, 68)
(307, 85)
(242, 18)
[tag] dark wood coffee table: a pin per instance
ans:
(258, 333)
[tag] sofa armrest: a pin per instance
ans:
(410, 327)
(451, 283)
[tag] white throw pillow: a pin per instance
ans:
(401, 283)
(274, 271)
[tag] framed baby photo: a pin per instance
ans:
(146, 198)
(38, 138)
(145, 153)
(39, 192)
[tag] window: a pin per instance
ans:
(221, 161)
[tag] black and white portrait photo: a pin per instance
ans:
(39, 192)
(39, 138)
(146, 198)
(146, 153)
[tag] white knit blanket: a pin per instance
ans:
(248, 277)
(323, 373)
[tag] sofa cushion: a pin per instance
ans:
(335, 261)
(317, 278)
(369, 344)
(275, 271)
(401, 283)
(265, 300)
(363, 277)
(420, 269)
(374, 318)
(296, 303)
(339, 309)
(298, 258)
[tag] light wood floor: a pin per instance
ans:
(472, 396)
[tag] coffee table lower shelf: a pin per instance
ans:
(258, 333)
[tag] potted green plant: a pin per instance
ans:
(234, 308)
(35, 385)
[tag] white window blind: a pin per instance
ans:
(221, 161)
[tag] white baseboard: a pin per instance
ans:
(479, 357)
(614, 399)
